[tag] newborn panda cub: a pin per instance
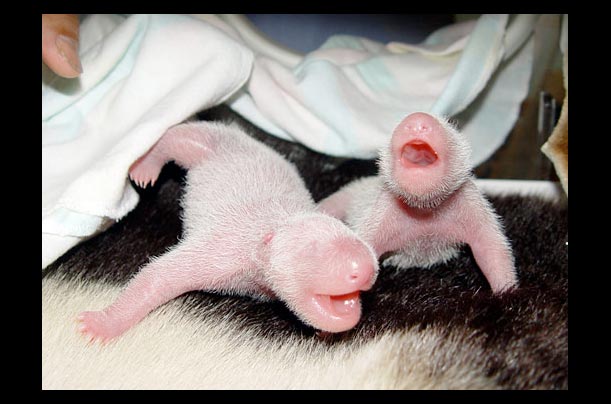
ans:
(250, 227)
(424, 203)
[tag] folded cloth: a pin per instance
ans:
(345, 98)
(141, 75)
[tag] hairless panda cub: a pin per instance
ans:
(425, 203)
(251, 228)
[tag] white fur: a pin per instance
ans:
(365, 193)
(177, 347)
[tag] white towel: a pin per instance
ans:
(346, 98)
(141, 75)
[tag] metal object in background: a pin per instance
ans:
(549, 112)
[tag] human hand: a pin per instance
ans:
(60, 36)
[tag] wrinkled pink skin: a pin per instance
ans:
(250, 228)
(425, 203)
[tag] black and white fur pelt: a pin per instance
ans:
(439, 328)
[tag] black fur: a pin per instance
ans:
(523, 334)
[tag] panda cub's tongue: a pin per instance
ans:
(344, 304)
(419, 153)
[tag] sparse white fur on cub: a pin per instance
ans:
(424, 203)
(250, 227)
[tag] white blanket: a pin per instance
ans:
(345, 98)
(141, 75)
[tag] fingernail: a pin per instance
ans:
(68, 49)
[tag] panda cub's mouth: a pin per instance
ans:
(340, 305)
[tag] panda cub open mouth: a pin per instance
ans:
(340, 305)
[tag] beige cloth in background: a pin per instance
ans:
(557, 146)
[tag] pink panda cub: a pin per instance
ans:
(424, 203)
(250, 227)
